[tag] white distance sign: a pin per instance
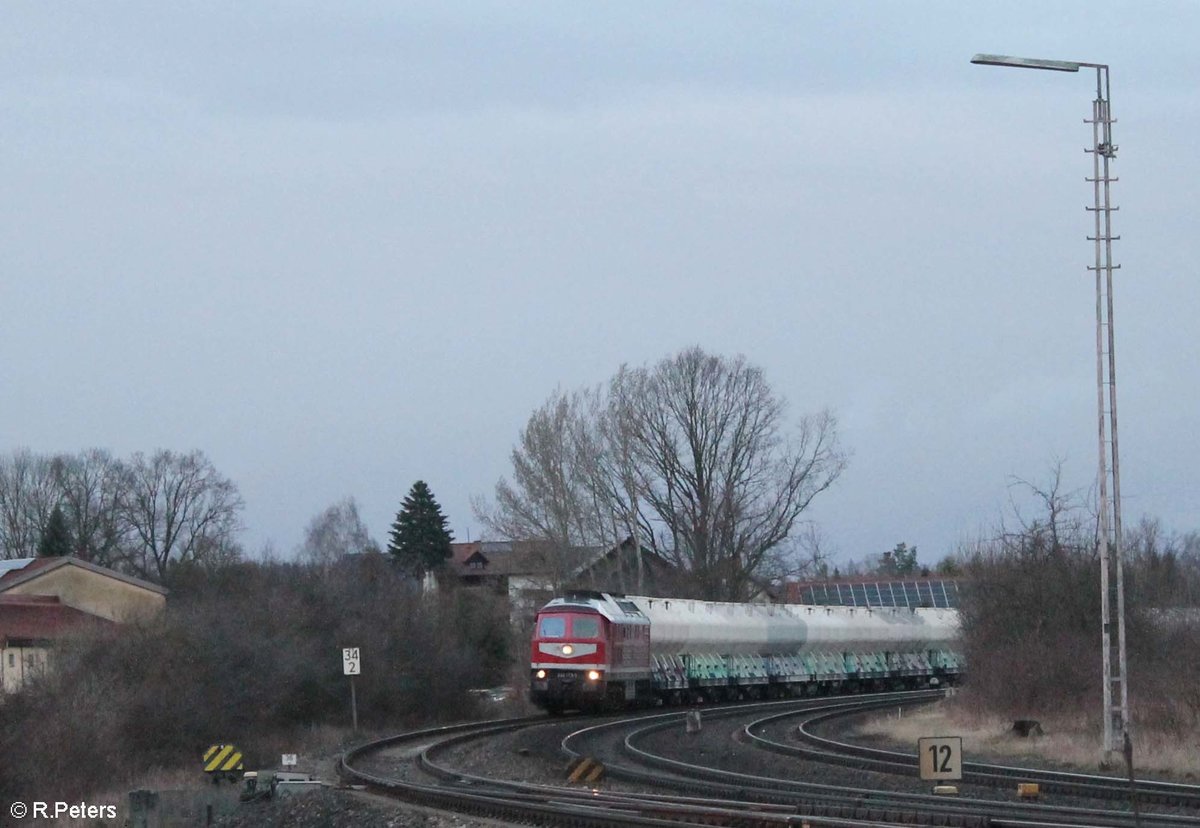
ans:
(941, 757)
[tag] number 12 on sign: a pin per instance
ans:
(940, 757)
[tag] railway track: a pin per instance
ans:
(646, 787)
(819, 748)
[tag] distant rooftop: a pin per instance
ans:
(519, 557)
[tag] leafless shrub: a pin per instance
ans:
(1031, 614)
(250, 654)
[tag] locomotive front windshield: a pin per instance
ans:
(580, 626)
(585, 626)
(552, 626)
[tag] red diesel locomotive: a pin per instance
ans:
(589, 650)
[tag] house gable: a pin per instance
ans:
(87, 587)
(529, 573)
(476, 562)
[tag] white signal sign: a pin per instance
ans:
(288, 760)
(941, 757)
(351, 663)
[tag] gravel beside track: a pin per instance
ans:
(345, 809)
(719, 745)
(532, 755)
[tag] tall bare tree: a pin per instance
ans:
(553, 496)
(721, 469)
(694, 457)
(178, 508)
(334, 533)
(28, 494)
(548, 498)
(90, 485)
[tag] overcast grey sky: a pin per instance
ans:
(342, 246)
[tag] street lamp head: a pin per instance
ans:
(1029, 63)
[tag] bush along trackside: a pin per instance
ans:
(248, 652)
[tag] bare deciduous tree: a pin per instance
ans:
(1031, 613)
(334, 533)
(1164, 566)
(694, 457)
(1030, 609)
(90, 485)
(28, 494)
(553, 497)
(719, 467)
(178, 509)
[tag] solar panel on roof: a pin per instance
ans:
(14, 563)
(858, 594)
(913, 594)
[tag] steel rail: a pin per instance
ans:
(816, 800)
(550, 805)
(712, 797)
(1093, 786)
(923, 807)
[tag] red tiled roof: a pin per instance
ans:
(44, 617)
(460, 552)
(518, 557)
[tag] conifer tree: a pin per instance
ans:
(420, 541)
(56, 537)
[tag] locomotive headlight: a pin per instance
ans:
(593, 675)
(567, 649)
(541, 674)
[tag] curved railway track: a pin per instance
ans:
(643, 786)
(816, 747)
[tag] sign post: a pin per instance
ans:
(352, 666)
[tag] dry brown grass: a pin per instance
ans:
(1067, 741)
(156, 779)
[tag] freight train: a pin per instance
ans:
(597, 651)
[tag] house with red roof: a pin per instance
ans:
(43, 601)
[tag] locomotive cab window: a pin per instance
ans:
(552, 626)
(585, 626)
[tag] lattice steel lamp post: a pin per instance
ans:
(1112, 577)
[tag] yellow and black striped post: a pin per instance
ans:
(584, 769)
(222, 759)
